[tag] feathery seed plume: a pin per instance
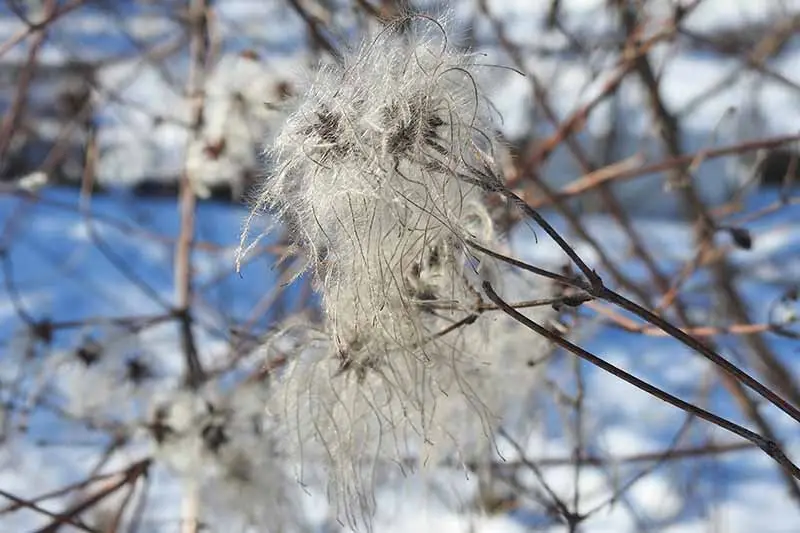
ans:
(379, 177)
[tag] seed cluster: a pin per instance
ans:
(380, 174)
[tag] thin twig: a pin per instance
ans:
(770, 447)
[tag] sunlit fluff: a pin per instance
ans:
(379, 177)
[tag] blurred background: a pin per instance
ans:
(659, 136)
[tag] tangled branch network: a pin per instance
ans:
(381, 174)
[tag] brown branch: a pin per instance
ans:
(10, 122)
(187, 200)
(57, 12)
(675, 454)
(583, 185)
(27, 504)
(131, 475)
(316, 30)
(697, 331)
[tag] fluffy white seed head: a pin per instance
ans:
(375, 175)
(218, 443)
(379, 177)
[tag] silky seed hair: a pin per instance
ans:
(370, 171)
(379, 177)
